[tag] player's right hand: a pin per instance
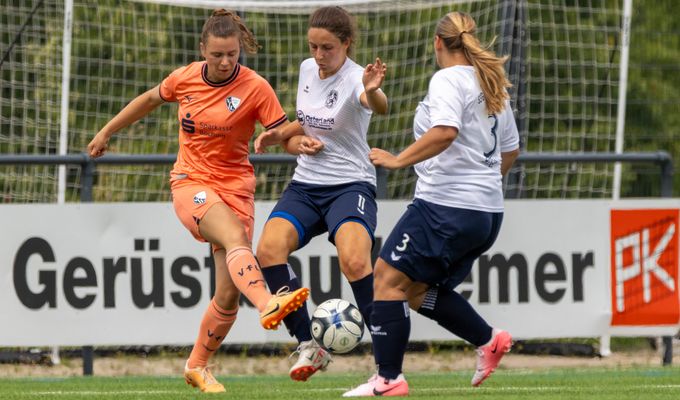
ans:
(98, 145)
(383, 158)
(309, 145)
(266, 139)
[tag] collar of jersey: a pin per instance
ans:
(232, 77)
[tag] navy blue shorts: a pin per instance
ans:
(315, 209)
(437, 245)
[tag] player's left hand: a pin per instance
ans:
(309, 145)
(374, 75)
(383, 158)
(266, 139)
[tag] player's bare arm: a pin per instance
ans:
(373, 98)
(507, 159)
(433, 142)
(278, 135)
(303, 144)
(134, 111)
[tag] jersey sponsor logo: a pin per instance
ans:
(188, 126)
(233, 103)
(331, 98)
(325, 124)
(200, 197)
(644, 267)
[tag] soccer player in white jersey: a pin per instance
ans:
(333, 190)
(466, 139)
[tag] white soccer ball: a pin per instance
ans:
(337, 326)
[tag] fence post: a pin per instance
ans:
(87, 170)
(666, 191)
(666, 174)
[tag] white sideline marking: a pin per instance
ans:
(97, 393)
(57, 393)
(511, 388)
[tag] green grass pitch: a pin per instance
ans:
(553, 384)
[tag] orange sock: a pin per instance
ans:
(246, 274)
(214, 327)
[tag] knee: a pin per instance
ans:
(355, 266)
(272, 251)
(386, 289)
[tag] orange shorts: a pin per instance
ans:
(193, 199)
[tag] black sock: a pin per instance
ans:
(363, 294)
(297, 322)
(450, 310)
(390, 329)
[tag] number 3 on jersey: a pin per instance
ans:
(495, 137)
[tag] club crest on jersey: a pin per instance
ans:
(233, 103)
(300, 117)
(199, 198)
(332, 98)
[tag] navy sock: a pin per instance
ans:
(363, 294)
(450, 310)
(298, 321)
(390, 329)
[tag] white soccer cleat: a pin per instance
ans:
(311, 358)
(489, 355)
(379, 386)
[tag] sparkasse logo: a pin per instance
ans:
(644, 267)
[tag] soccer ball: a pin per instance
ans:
(337, 326)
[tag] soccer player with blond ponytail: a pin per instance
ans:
(466, 140)
(212, 182)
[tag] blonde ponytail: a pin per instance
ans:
(457, 30)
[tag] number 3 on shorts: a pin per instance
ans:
(404, 242)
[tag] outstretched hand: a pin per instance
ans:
(98, 146)
(383, 158)
(267, 138)
(374, 75)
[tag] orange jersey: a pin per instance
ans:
(217, 121)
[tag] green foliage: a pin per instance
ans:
(123, 48)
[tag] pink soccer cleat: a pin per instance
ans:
(379, 386)
(489, 355)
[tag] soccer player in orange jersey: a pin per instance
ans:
(213, 183)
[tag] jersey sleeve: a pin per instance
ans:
(357, 86)
(269, 111)
(510, 135)
(169, 85)
(446, 102)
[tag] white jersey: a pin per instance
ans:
(467, 174)
(330, 111)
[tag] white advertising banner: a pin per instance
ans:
(130, 274)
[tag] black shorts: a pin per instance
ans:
(315, 209)
(437, 245)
